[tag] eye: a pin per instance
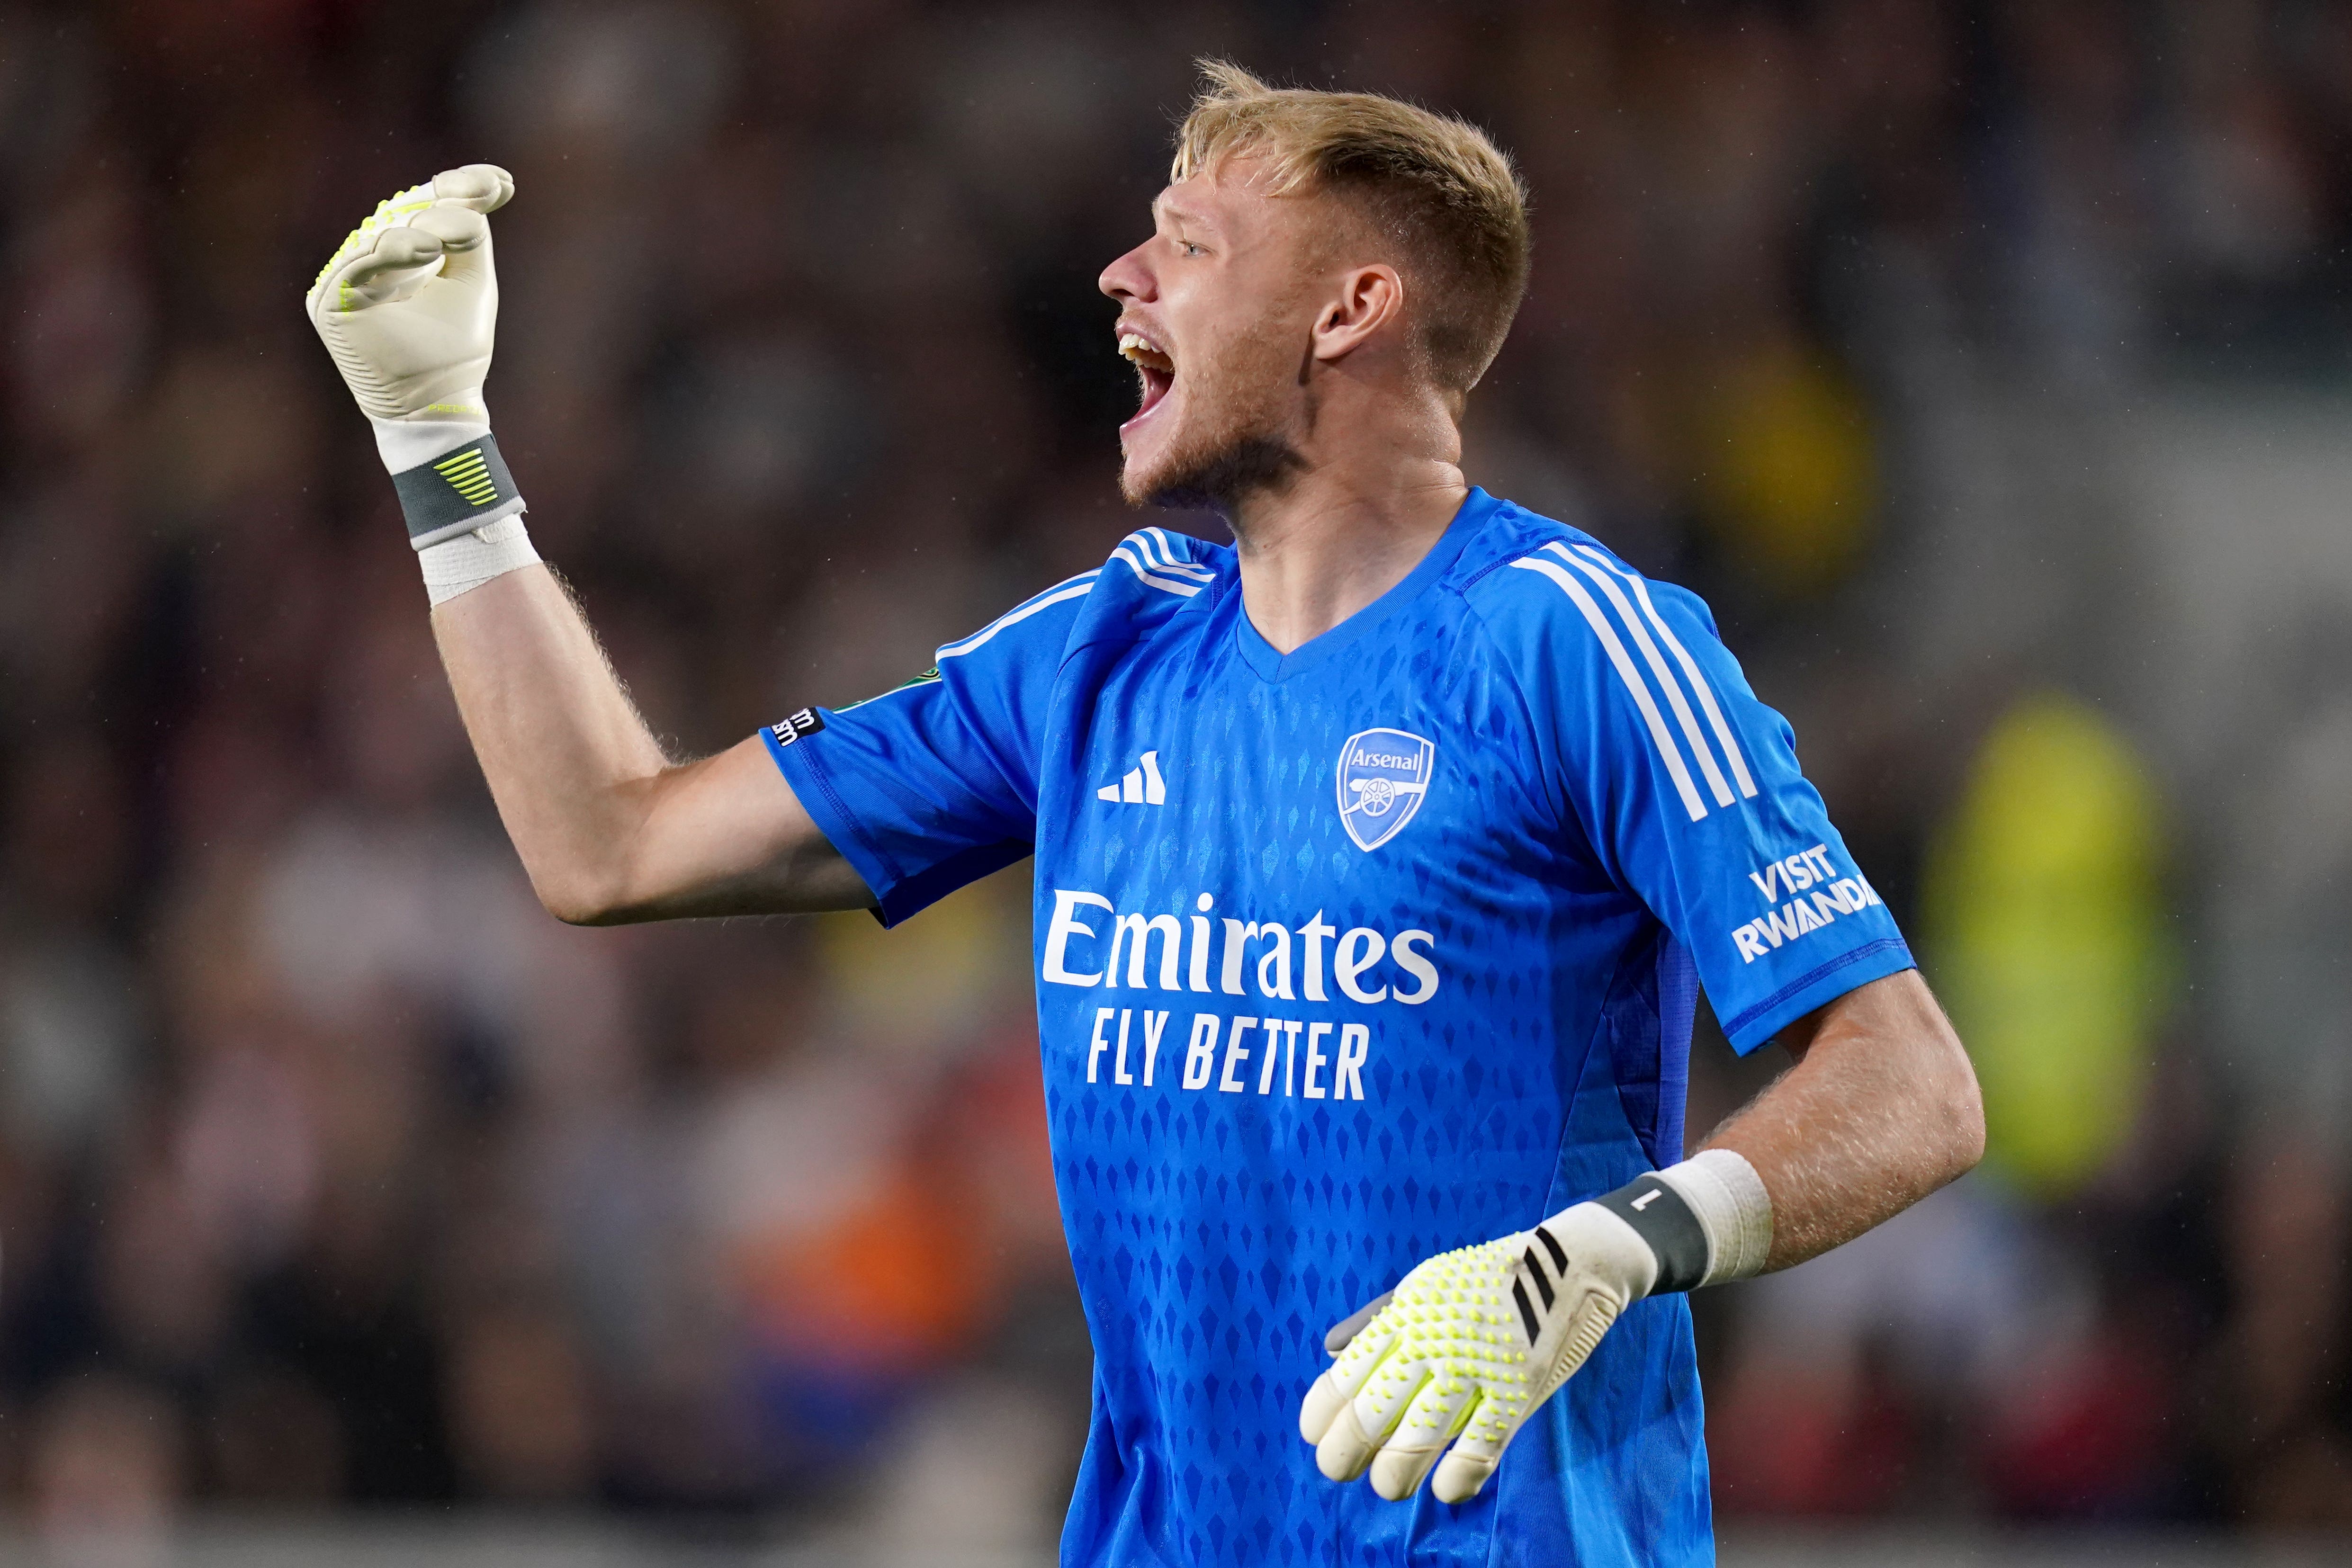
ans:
(1189, 248)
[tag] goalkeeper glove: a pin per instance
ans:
(409, 307)
(1472, 1341)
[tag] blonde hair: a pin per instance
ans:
(1437, 186)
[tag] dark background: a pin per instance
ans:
(1984, 364)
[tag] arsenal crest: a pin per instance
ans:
(1383, 775)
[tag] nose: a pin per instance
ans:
(1129, 277)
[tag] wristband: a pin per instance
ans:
(1708, 1219)
(456, 491)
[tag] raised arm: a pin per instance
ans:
(609, 828)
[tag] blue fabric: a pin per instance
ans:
(1576, 810)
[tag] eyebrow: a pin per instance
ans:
(1161, 207)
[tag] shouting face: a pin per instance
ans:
(1216, 310)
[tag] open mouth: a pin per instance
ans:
(1152, 365)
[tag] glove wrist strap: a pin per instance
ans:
(456, 491)
(1708, 1219)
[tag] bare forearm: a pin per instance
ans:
(1880, 1110)
(610, 829)
(567, 757)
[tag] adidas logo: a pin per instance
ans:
(1142, 785)
(469, 474)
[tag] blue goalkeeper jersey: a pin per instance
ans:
(1348, 956)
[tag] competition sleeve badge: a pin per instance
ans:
(1383, 777)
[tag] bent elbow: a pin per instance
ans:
(1969, 1140)
(1965, 1117)
(579, 900)
(573, 909)
(579, 912)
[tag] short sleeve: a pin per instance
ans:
(934, 785)
(1688, 788)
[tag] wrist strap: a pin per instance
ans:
(1663, 1218)
(456, 492)
(1708, 1219)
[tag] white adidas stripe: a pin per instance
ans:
(1137, 552)
(1132, 552)
(1705, 692)
(1177, 558)
(1170, 559)
(1607, 583)
(1078, 587)
(1638, 688)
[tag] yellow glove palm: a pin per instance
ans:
(1470, 1344)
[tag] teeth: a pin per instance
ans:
(1134, 346)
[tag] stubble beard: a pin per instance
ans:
(1230, 446)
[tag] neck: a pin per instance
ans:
(1336, 537)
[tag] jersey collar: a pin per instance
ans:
(1259, 654)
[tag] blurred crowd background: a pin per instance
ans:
(1984, 361)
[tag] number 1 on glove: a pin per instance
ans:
(1473, 1341)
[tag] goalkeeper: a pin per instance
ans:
(1378, 859)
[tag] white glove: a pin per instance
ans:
(1474, 1340)
(409, 307)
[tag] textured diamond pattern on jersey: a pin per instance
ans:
(1282, 1068)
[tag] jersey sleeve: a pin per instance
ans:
(934, 785)
(1687, 789)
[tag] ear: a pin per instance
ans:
(1367, 301)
